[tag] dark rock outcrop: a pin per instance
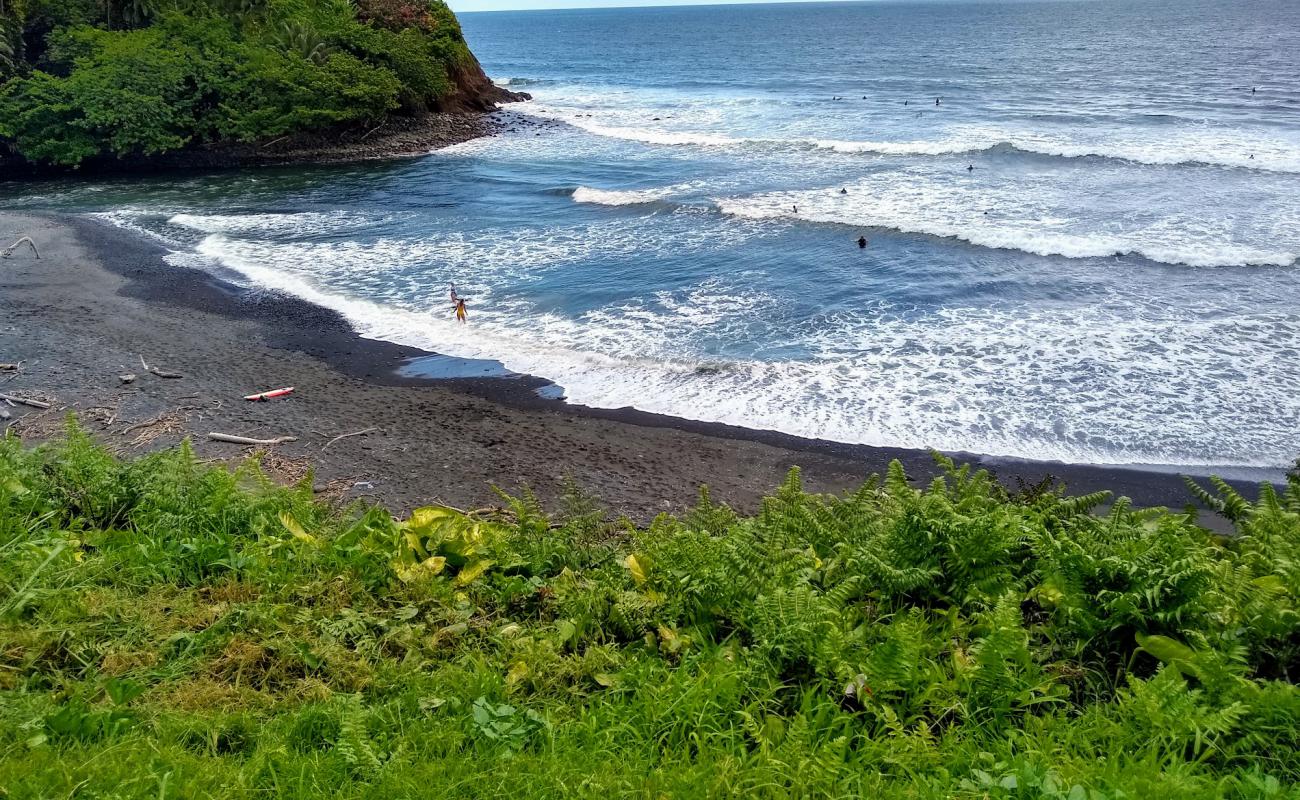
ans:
(475, 91)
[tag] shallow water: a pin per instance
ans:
(1115, 281)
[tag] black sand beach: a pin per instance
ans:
(101, 298)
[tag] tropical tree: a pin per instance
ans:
(303, 40)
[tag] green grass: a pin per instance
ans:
(170, 629)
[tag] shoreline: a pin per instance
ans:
(449, 428)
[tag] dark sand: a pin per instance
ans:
(100, 298)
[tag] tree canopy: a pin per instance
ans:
(87, 78)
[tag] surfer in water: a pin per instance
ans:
(458, 305)
(862, 242)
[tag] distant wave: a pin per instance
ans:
(522, 81)
(1022, 236)
(1209, 150)
(609, 197)
(630, 197)
(962, 224)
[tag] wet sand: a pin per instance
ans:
(447, 430)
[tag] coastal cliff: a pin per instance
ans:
(140, 86)
(473, 91)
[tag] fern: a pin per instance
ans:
(354, 744)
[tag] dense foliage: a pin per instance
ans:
(84, 78)
(170, 629)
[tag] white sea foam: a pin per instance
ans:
(1189, 145)
(611, 197)
(1118, 383)
(129, 218)
(1186, 145)
(658, 136)
(1038, 217)
(289, 224)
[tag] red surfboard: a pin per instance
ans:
(268, 395)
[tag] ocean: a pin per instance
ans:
(1083, 223)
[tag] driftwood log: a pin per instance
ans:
(24, 401)
(346, 435)
(161, 373)
(27, 240)
(232, 439)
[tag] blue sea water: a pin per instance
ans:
(1085, 250)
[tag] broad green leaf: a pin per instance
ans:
(639, 566)
(428, 516)
(518, 671)
(472, 571)
(566, 630)
(122, 691)
(427, 568)
(294, 527)
(1170, 651)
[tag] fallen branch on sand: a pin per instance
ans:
(346, 435)
(8, 251)
(226, 437)
(33, 403)
(161, 373)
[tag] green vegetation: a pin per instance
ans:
(87, 78)
(169, 629)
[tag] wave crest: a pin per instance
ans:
(1199, 147)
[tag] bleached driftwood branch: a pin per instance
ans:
(346, 435)
(25, 401)
(226, 437)
(161, 373)
(8, 251)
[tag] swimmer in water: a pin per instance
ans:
(862, 242)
